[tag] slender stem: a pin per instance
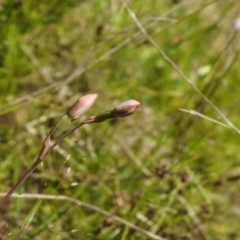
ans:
(20, 182)
(42, 155)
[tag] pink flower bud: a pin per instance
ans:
(237, 24)
(126, 108)
(82, 105)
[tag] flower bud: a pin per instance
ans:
(82, 105)
(126, 108)
(237, 24)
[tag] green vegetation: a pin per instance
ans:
(163, 173)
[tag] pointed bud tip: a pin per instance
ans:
(82, 105)
(126, 108)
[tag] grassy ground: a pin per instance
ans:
(162, 173)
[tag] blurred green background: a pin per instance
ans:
(164, 170)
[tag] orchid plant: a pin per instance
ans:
(68, 124)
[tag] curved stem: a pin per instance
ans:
(45, 151)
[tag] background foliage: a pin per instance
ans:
(172, 173)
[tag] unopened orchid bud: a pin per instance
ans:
(237, 24)
(82, 105)
(123, 110)
(126, 108)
